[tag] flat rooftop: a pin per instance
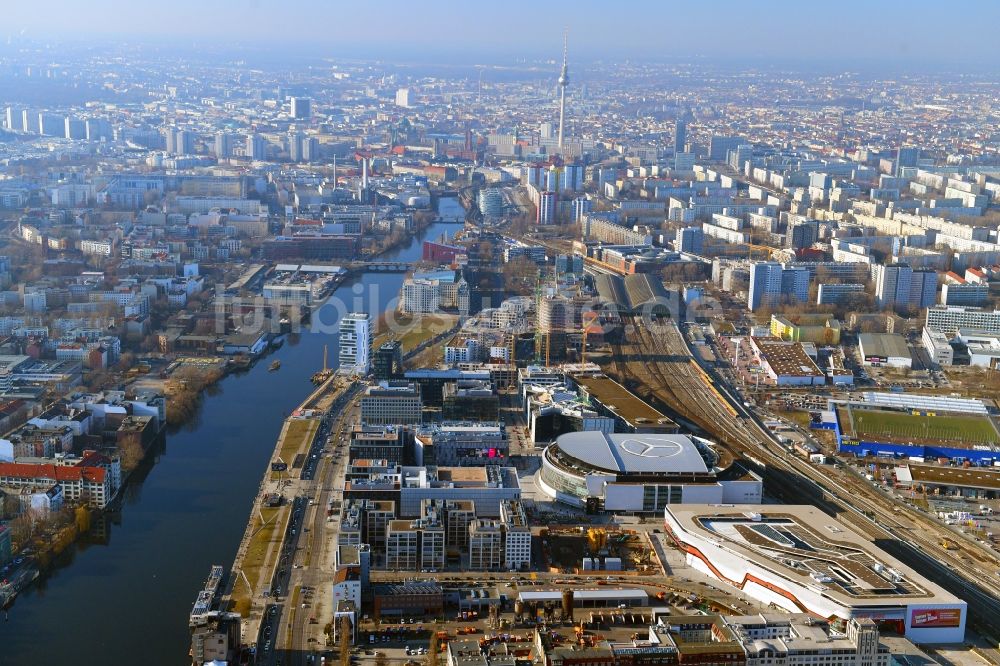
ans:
(594, 594)
(971, 477)
(634, 453)
(464, 475)
(621, 401)
(888, 345)
(809, 548)
(787, 359)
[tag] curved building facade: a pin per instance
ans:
(638, 473)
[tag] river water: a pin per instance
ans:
(126, 599)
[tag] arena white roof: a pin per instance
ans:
(633, 453)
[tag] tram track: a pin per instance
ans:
(656, 356)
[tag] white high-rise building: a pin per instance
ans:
(403, 98)
(770, 283)
(491, 203)
(547, 203)
(256, 148)
(899, 287)
(356, 342)
(224, 143)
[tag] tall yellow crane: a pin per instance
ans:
(766, 250)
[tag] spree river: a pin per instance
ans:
(125, 598)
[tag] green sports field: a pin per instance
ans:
(901, 427)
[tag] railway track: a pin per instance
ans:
(657, 356)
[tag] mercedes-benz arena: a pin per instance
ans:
(800, 559)
(640, 473)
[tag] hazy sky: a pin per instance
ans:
(898, 31)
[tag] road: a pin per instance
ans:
(276, 635)
(313, 563)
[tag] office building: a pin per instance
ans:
(771, 284)
(469, 399)
(565, 264)
(403, 97)
(413, 545)
(301, 108)
(517, 536)
(486, 545)
(388, 443)
(215, 638)
(377, 516)
(486, 485)
(392, 402)
(402, 546)
(938, 347)
(795, 640)
(459, 514)
(463, 444)
(387, 361)
(433, 535)
(356, 343)
(950, 318)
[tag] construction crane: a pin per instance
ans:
(766, 249)
(324, 374)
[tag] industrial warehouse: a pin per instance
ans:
(640, 473)
(799, 559)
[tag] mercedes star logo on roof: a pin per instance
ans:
(651, 447)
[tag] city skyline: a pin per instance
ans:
(457, 334)
(890, 34)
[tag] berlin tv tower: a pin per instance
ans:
(563, 82)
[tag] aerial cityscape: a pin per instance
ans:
(460, 335)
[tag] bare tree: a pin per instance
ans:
(344, 640)
(433, 650)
